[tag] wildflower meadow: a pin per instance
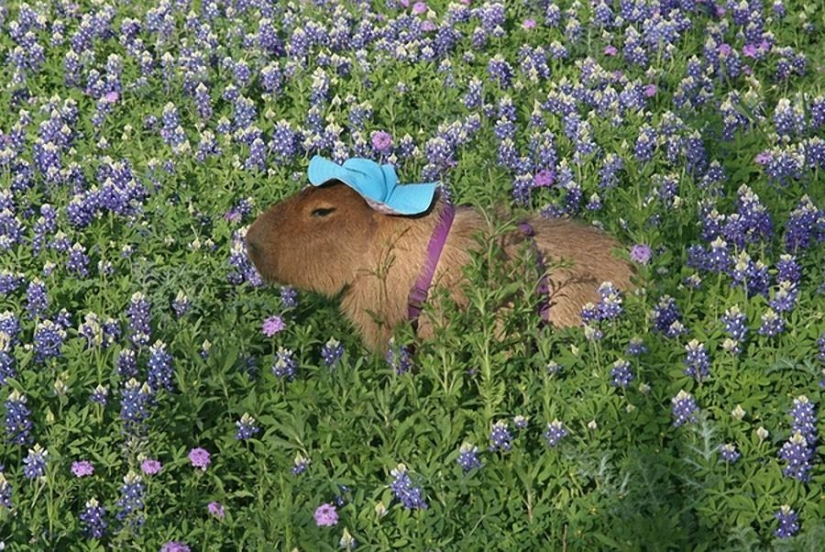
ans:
(157, 395)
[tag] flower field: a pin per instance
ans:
(156, 395)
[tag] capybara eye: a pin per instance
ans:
(321, 212)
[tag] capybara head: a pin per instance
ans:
(314, 240)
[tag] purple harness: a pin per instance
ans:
(420, 290)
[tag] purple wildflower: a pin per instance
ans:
(216, 509)
(273, 325)
(82, 468)
(150, 466)
(640, 253)
(200, 458)
(398, 358)
(175, 546)
(325, 515)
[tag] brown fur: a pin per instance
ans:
(374, 259)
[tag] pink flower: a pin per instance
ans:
(428, 26)
(763, 158)
(216, 509)
(528, 24)
(150, 466)
(544, 178)
(650, 90)
(273, 325)
(325, 515)
(640, 253)
(750, 50)
(419, 8)
(725, 49)
(111, 97)
(610, 50)
(199, 458)
(381, 141)
(82, 468)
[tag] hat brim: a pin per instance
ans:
(404, 199)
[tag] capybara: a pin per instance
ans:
(327, 239)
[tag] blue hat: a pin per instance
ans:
(377, 184)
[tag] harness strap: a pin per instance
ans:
(421, 288)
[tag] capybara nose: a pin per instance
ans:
(253, 247)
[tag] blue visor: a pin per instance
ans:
(377, 184)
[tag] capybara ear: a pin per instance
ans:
(314, 240)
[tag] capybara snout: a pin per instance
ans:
(327, 239)
(312, 240)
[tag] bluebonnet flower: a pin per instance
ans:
(718, 259)
(728, 453)
(139, 319)
(772, 324)
(284, 366)
(468, 457)
(34, 465)
(500, 437)
(160, 371)
(666, 317)
(18, 419)
(802, 226)
(127, 364)
(788, 522)
(246, 427)
(520, 421)
(398, 358)
(181, 304)
(131, 501)
(134, 405)
(610, 301)
(636, 346)
(684, 408)
(554, 433)
(347, 541)
(621, 375)
(798, 454)
(784, 299)
(100, 395)
(48, 340)
(697, 361)
(736, 323)
(300, 464)
(331, 352)
(7, 362)
(10, 281)
(37, 300)
(788, 120)
(500, 71)
(404, 490)
(804, 418)
(5, 492)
